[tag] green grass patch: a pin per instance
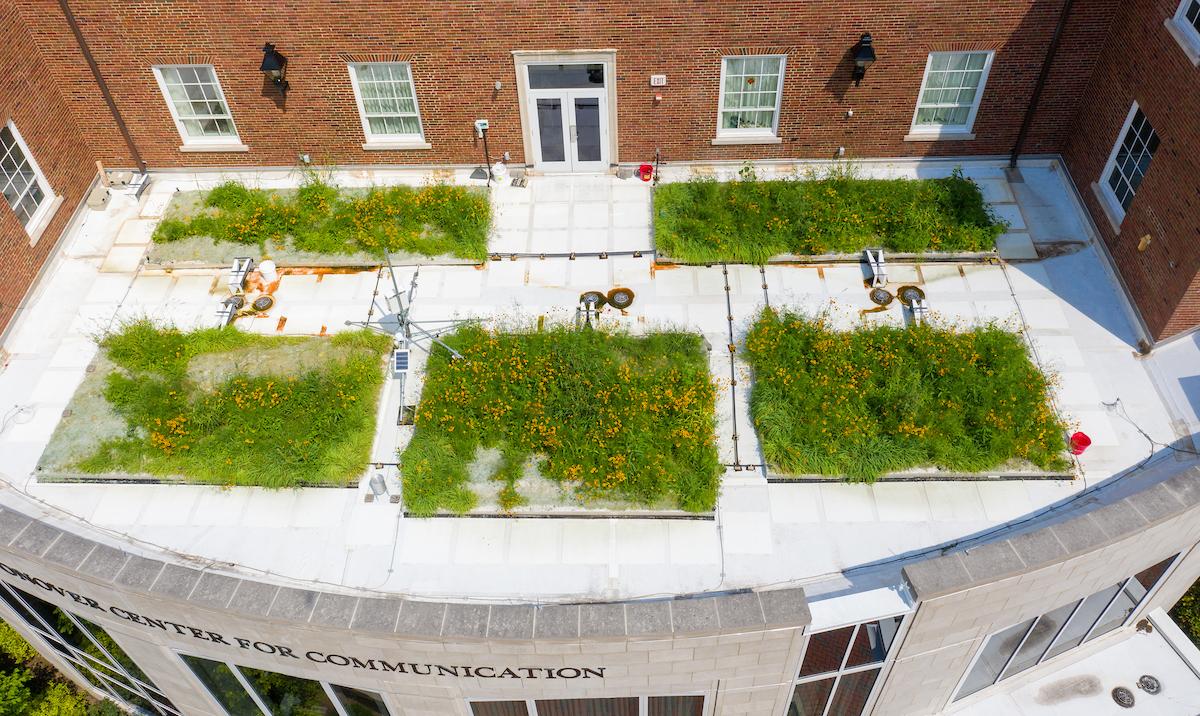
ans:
(300, 412)
(608, 415)
(862, 403)
(432, 220)
(749, 221)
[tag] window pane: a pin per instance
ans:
(289, 695)
(1039, 638)
(588, 707)
(223, 686)
(1117, 613)
(195, 95)
(550, 130)
(359, 703)
(825, 651)
(1072, 635)
(565, 76)
(1147, 578)
(994, 655)
(499, 708)
(852, 693)
(872, 642)
(675, 706)
(809, 698)
(388, 98)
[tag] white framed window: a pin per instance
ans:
(1184, 26)
(387, 105)
(1022, 646)
(751, 94)
(950, 94)
(840, 668)
(24, 186)
(198, 106)
(1127, 164)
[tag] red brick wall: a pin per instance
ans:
(29, 98)
(1143, 62)
(459, 49)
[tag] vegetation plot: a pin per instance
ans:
(301, 411)
(431, 221)
(749, 221)
(876, 400)
(29, 686)
(608, 414)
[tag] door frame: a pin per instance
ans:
(608, 58)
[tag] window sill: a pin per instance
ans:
(397, 145)
(231, 147)
(38, 227)
(1186, 37)
(748, 139)
(1112, 210)
(951, 136)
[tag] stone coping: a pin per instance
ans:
(684, 616)
(1099, 527)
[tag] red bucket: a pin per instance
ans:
(646, 172)
(1079, 443)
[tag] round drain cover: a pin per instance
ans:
(881, 296)
(621, 298)
(1123, 697)
(263, 303)
(1149, 684)
(592, 299)
(908, 294)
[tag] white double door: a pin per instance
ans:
(570, 129)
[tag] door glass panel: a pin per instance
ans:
(809, 698)
(565, 76)
(499, 708)
(360, 703)
(1087, 614)
(587, 129)
(588, 707)
(223, 686)
(872, 642)
(675, 706)
(995, 655)
(289, 695)
(825, 651)
(550, 130)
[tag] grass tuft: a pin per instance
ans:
(750, 221)
(265, 427)
(609, 416)
(875, 400)
(431, 220)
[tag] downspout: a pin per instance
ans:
(108, 98)
(1037, 90)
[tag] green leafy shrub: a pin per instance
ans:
(59, 699)
(609, 415)
(15, 694)
(875, 400)
(1186, 613)
(431, 220)
(13, 645)
(270, 428)
(749, 221)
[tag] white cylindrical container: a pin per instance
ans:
(266, 269)
(499, 171)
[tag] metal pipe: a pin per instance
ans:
(108, 98)
(1041, 83)
(487, 159)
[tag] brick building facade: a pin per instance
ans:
(463, 64)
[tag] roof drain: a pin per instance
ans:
(1041, 83)
(1123, 697)
(108, 98)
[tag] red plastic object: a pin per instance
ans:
(646, 172)
(1079, 443)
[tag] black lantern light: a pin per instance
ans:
(864, 55)
(274, 66)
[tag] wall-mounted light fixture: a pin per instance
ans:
(864, 55)
(274, 66)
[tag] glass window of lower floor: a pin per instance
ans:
(246, 691)
(690, 705)
(1022, 646)
(840, 668)
(91, 651)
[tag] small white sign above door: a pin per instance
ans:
(658, 80)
